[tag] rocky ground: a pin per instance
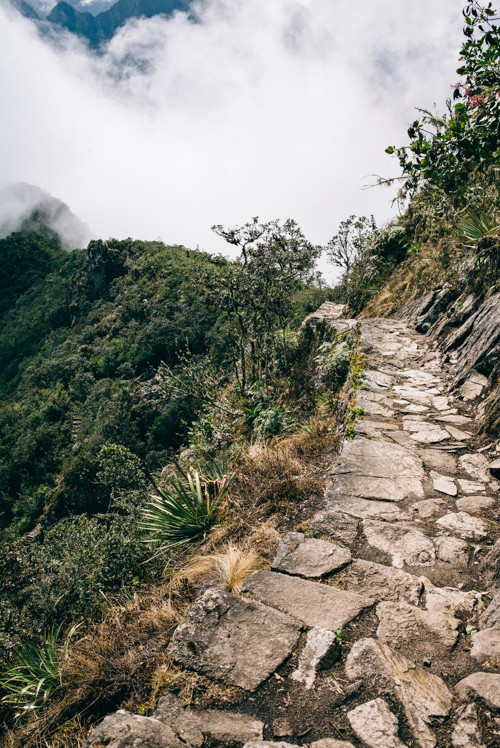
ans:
(380, 626)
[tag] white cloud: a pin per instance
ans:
(277, 109)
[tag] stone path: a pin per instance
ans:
(394, 554)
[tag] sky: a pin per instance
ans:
(270, 108)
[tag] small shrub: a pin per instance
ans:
(333, 359)
(272, 421)
(183, 511)
(35, 676)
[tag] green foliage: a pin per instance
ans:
(184, 510)
(449, 153)
(256, 291)
(368, 256)
(357, 368)
(271, 421)
(345, 248)
(25, 258)
(334, 359)
(119, 469)
(67, 571)
(36, 674)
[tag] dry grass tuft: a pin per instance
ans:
(122, 647)
(265, 537)
(276, 476)
(72, 734)
(230, 567)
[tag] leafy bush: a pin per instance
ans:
(271, 421)
(482, 232)
(449, 152)
(333, 359)
(69, 570)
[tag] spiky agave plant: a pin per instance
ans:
(184, 510)
(482, 234)
(35, 676)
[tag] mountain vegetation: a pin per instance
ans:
(449, 192)
(112, 360)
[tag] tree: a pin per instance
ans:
(257, 289)
(346, 246)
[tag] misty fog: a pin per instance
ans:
(277, 109)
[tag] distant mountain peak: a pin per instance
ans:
(25, 207)
(78, 18)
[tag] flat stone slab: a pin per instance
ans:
(420, 377)
(490, 618)
(377, 378)
(375, 724)
(420, 396)
(269, 744)
(472, 389)
(402, 542)
(470, 487)
(309, 557)
(428, 508)
(125, 730)
(424, 432)
(460, 436)
(364, 508)
(435, 459)
(486, 647)
(440, 403)
(484, 687)
(477, 466)
(372, 408)
(232, 639)
(193, 727)
(376, 470)
(379, 582)
(427, 632)
(331, 743)
(455, 419)
(450, 601)
(424, 697)
(316, 605)
(414, 408)
(321, 651)
(372, 429)
(464, 525)
(444, 484)
(494, 468)
(473, 504)
(337, 525)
